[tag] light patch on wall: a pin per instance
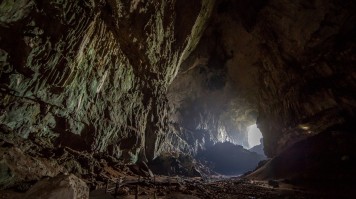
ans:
(254, 135)
(102, 82)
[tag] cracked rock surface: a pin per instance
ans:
(93, 75)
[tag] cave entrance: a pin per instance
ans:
(254, 136)
(230, 159)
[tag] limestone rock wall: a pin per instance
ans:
(287, 65)
(133, 78)
(92, 75)
(308, 74)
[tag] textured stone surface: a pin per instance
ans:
(307, 78)
(17, 167)
(92, 75)
(62, 186)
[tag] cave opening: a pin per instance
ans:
(254, 136)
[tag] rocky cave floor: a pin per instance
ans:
(215, 187)
(196, 187)
(26, 165)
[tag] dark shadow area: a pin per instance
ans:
(326, 160)
(182, 165)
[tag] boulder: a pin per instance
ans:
(59, 187)
(18, 168)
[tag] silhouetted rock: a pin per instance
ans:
(230, 159)
(184, 165)
(323, 160)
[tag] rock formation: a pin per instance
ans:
(93, 75)
(229, 159)
(61, 186)
(286, 65)
(88, 85)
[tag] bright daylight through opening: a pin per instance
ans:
(254, 135)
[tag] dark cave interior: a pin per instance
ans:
(158, 99)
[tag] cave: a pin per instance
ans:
(177, 99)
